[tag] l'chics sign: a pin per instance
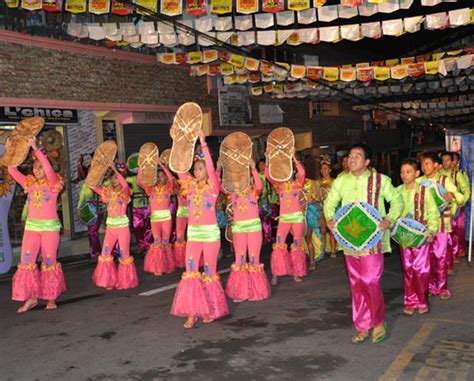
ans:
(50, 115)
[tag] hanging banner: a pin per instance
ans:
(399, 72)
(348, 74)
(416, 69)
(247, 6)
(214, 69)
(120, 8)
(365, 74)
(407, 60)
(12, 3)
(99, 7)
(257, 90)
(221, 7)
(273, 6)
(227, 69)
(298, 5)
(194, 57)
(351, 3)
(151, 5)
(318, 3)
(314, 72)
(331, 74)
(237, 60)
(209, 56)
(76, 6)
(167, 58)
(251, 64)
(381, 73)
(392, 62)
(53, 5)
(31, 5)
(171, 7)
(196, 7)
(431, 67)
(298, 71)
(181, 58)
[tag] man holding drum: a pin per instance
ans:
(365, 266)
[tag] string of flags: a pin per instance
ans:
(346, 8)
(166, 34)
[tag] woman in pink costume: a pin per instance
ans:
(201, 295)
(181, 223)
(116, 197)
(247, 280)
(291, 218)
(159, 258)
(42, 231)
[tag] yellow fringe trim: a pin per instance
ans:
(28, 266)
(45, 267)
(236, 267)
(256, 268)
(106, 258)
(127, 261)
(180, 244)
(279, 246)
(213, 278)
(191, 275)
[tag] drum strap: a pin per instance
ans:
(443, 183)
(373, 199)
(420, 205)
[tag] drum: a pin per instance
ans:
(408, 232)
(438, 192)
(88, 213)
(356, 226)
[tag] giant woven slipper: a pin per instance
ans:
(24, 131)
(148, 162)
(280, 147)
(235, 156)
(186, 124)
(103, 158)
(165, 156)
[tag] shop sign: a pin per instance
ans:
(51, 115)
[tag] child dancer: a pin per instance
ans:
(419, 205)
(181, 223)
(291, 218)
(116, 197)
(247, 280)
(159, 258)
(42, 231)
(324, 184)
(430, 163)
(201, 295)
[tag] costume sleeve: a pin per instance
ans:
(98, 190)
(301, 173)
(450, 187)
(215, 185)
(267, 176)
(170, 177)
(48, 169)
(464, 187)
(19, 177)
(148, 190)
(184, 176)
(333, 199)
(124, 184)
(393, 197)
(432, 216)
(257, 181)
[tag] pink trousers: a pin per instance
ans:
(368, 306)
(458, 235)
(438, 284)
(180, 244)
(105, 274)
(159, 258)
(247, 279)
(200, 295)
(416, 273)
(284, 263)
(28, 282)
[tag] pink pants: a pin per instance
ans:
(368, 306)
(181, 224)
(438, 284)
(28, 283)
(459, 234)
(200, 295)
(105, 274)
(416, 273)
(297, 230)
(159, 257)
(247, 244)
(161, 231)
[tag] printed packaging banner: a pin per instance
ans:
(196, 7)
(151, 5)
(52, 5)
(122, 9)
(76, 6)
(171, 7)
(273, 6)
(99, 7)
(298, 5)
(32, 5)
(221, 6)
(247, 6)
(12, 3)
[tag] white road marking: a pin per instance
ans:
(171, 286)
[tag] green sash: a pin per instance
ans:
(247, 226)
(43, 225)
(160, 215)
(117, 222)
(292, 218)
(204, 233)
(182, 212)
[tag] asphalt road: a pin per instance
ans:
(302, 333)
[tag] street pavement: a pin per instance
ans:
(301, 333)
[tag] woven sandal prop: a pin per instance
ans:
(20, 138)
(280, 147)
(148, 162)
(165, 156)
(103, 158)
(186, 124)
(235, 155)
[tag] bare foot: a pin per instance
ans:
(312, 265)
(407, 311)
(298, 279)
(28, 305)
(274, 280)
(158, 274)
(190, 322)
(51, 305)
(208, 320)
(423, 311)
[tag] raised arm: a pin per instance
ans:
(169, 175)
(19, 177)
(123, 183)
(301, 173)
(48, 169)
(256, 178)
(211, 171)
